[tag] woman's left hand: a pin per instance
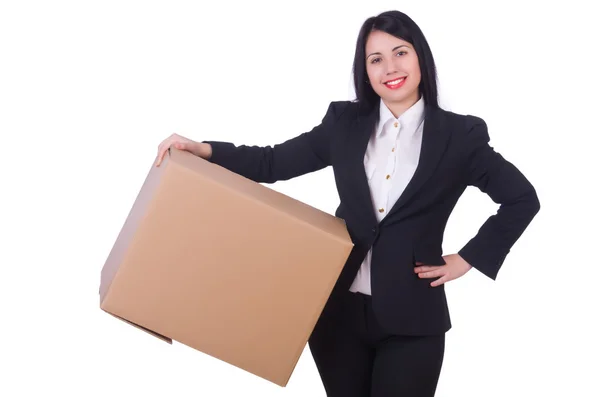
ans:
(454, 268)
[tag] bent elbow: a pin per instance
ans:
(534, 203)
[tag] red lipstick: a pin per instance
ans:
(395, 83)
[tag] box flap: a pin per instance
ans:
(155, 334)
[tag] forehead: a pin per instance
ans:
(381, 41)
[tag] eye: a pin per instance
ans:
(401, 53)
(375, 60)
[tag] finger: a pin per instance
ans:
(159, 156)
(164, 146)
(440, 281)
(161, 153)
(422, 269)
(419, 263)
(433, 273)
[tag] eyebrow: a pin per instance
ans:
(393, 49)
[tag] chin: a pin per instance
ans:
(400, 97)
(395, 98)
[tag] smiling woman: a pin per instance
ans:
(392, 47)
(400, 163)
(393, 64)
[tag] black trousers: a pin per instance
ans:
(356, 358)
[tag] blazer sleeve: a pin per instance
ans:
(505, 185)
(305, 153)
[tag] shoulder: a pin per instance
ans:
(466, 126)
(461, 122)
(339, 110)
(342, 108)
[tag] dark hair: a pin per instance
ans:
(402, 26)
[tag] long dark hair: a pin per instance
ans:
(402, 26)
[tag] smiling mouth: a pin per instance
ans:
(395, 83)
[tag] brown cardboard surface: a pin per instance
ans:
(224, 265)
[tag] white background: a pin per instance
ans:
(89, 89)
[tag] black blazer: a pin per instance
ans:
(454, 154)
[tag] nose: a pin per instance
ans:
(390, 68)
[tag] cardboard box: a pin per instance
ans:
(224, 265)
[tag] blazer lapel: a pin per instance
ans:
(434, 142)
(358, 139)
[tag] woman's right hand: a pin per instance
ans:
(199, 149)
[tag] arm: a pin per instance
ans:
(506, 186)
(300, 155)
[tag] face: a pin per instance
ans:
(393, 70)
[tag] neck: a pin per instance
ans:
(398, 108)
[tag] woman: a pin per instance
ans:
(400, 165)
